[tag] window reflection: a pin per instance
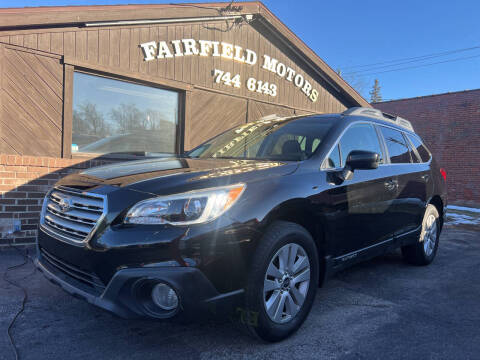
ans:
(112, 116)
(396, 145)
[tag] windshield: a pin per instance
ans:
(284, 139)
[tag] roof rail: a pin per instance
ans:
(377, 114)
(272, 117)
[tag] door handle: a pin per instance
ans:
(425, 177)
(391, 185)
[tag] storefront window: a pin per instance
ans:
(112, 116)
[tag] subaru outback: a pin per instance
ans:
(252, 220)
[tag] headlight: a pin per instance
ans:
(193, 207)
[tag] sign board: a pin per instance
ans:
(156, 50)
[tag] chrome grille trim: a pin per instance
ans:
(80, 203)
(78, 222)
(68, 226)
(80, 216)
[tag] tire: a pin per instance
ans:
(424, 250)
(281, 238)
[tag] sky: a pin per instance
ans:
(349, 34)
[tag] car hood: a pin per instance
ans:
(154, 175)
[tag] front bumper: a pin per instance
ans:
(197, 296)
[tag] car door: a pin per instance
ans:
(356, 208)
(419, 179)
(406, 211)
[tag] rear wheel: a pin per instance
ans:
(423, 252)
(282, 282)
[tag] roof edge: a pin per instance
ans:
(425, 96)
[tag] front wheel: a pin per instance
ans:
(282, 282)
(423, 252)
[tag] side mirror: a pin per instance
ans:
(362, 160)
(356, 160)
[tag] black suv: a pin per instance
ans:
(250, 221)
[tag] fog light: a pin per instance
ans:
(164, 297)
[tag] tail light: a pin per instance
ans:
(444, 174)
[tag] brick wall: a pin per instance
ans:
(450, 125)
(24, 180)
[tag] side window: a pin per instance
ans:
(315, 144)
(421, 148)
(415, 158)
(396, 145)
(333, 160)
(360, 137)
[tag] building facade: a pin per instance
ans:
(81, 86)
(450, 125)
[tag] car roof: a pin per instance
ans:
(349, 116)
(380, 117)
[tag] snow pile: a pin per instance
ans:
(460, 215)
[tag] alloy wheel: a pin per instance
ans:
(430, 235)
(286, 283)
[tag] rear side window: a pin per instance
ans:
(396, 145)
(421, 148)
(360, 137)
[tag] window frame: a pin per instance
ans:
(407, 142)
(386, 160)
(70, 70)
(415, 149)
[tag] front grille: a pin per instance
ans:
(72, 271)
(72, 214)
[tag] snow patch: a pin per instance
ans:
(463, 208)
(461, 215)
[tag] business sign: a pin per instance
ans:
(190, 47)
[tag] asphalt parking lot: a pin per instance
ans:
(376, 310)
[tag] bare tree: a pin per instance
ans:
(356, 82)
(91, 120)
(156, 120)
(79, 123)
(127, 117)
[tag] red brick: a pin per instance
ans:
(450, 125)
(15, 208)
(25, 202)
(7, 174)
(34, 208)
(27, 175)
(16, 168)
(28, 215)
(36, 195)
(7, 201)
(15, 195)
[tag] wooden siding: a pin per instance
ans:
(257, 110)
(212, 114)
(118, 49)
(31, 95)
(42, 96)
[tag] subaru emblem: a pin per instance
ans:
(65, 204)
